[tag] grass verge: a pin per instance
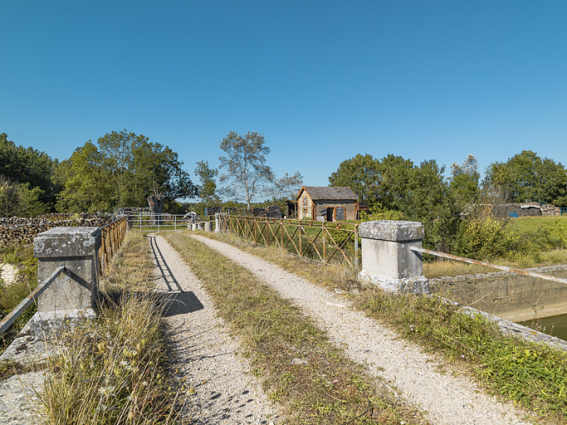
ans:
(531, 375)
(114, 370)
(299, 367)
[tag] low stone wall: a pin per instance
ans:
(527, 209)
(18, 230)
(510, 296)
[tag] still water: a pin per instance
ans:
(557, 325)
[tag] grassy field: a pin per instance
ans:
(534, 223)
(531, 375)
(530, 228)
(440, 267)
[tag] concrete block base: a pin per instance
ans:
(46, 323)
(412, 285)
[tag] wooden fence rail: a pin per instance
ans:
(111, 239)
(320, 241)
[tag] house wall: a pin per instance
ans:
(304, 212)
(349, 206)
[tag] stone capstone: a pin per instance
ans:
(388, 230)
(67, 242)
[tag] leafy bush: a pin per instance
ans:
(487, 237)
(378, 212)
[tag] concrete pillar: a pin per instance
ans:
(387, 260)
(194, 226)
(208, 226)
(74, 293)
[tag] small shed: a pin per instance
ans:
(329, 203)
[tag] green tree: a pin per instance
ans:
(464, 182)
(395, 187)
(208, 186)
(28, 165)
(527, 177)
(121, 171)
(20, 200)
(246, 171)
(395, 176)
(87, 184)
(428, 200)
(362, 174)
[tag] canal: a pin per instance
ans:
(555, 325)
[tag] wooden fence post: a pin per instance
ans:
(299, 233)
(324, 243)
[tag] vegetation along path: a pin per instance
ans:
(448, 399)
(220, 390)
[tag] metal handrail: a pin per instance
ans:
(485, 264)
(17, 312)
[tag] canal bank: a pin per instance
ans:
(513, 297)
(555, 326)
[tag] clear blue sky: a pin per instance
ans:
(322, 80)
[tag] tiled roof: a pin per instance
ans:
(332, 193)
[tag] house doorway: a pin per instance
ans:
(329, 214)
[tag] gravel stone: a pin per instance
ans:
(221, 389)
(19, 403)
(447, 399)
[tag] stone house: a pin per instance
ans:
(326, 203)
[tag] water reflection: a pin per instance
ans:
(556, 325)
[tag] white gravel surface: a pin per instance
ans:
(448, 399)
(204, 352)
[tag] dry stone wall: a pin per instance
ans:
(17, 230)
(528, 209)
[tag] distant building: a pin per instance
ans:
(328, 203)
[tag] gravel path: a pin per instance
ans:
(19, 403)
(204, 352)
(447, 399)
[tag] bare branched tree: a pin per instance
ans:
(245, 166)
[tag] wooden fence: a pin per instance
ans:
(325, 242)
(111, 239)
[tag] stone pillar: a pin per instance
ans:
(74, 293)
(208, 226)
(387, 260)
(219, 226)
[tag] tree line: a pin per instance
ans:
(121, 169)
(395, 187)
